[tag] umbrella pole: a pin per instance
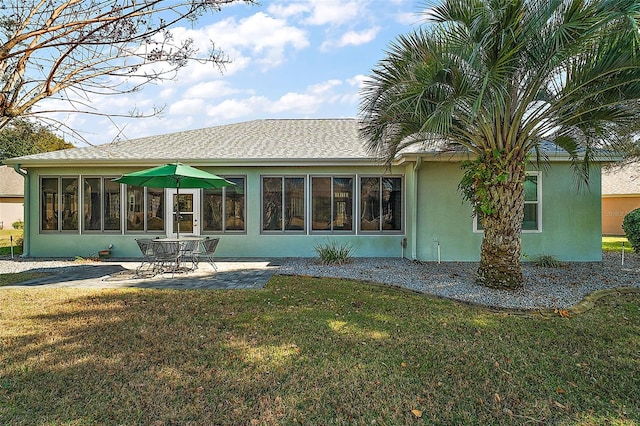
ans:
(178, 208)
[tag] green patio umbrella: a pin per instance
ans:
(175, 175)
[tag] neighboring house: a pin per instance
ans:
(11, 197)
(300, 183)
(620, 195)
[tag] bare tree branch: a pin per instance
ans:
(96, 47)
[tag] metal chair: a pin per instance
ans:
(144, 244)
(208, 249)
(166, 256)
(188, 252)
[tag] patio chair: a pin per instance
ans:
(166, 256)
(188, 252)
(144, 244)
(208, 249)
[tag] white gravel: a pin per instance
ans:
(544, 287)
(559, 288)
(18, 264)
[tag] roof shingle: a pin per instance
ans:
(253, 140)
(11, 183)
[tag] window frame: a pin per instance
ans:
(145, 210)
(60, 204)
(283, 230)
(224, 229)
(103, 179)
(42, 208)
(354, 181)
(538, 230)
(403, 206)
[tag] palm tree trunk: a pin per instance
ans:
(501, 247)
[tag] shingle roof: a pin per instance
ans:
(317, 139)
(621, 179)
(11, 183)
(269, 141)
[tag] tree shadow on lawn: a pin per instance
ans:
(71, 274)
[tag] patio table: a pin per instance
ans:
(187, 249)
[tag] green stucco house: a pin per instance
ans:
(299, 183)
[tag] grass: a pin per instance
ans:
(14, 278)
(5, 241)
(309, 351)
(615, 244)
(333, 253)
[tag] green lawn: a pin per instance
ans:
(615, 244)
(310, 351)
(5, 241)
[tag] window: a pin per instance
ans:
(59, 204)
(49, 204)
(381, 204)
(531, 220)
(223, 208)
(532, 194)
(332, 204)
(92, 204)
(101, 204)
(145, 209)
(283, 204)
(155, 209)
(111, 205)
(70, 204)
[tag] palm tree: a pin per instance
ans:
(498, 77)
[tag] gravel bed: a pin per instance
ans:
(18, 264)
(544, 287)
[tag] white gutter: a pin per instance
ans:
(27, 219)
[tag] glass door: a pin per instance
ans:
(189, 203)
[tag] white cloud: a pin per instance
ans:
(410, 18)
(289, 9)
(210, 90)
(357, 80)
(167, 93)
(335, 12)
(236, 108)
(310, 101)
(324, 87)
(320, 12)
(187, 107)
(262, 36)
(352, 38)
(298, 102)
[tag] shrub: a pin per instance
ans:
(548, 261)
(18, 224)
(631, 226)
(332, 253)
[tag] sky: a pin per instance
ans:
(289, 59)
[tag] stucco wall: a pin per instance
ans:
(614, 209)
(11, 210)
(435, 213)
(249, 244)
(571, 218)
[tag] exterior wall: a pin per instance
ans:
(614, 209)
(434, 216)
(249, 244)
(571, 218)
(11, 210)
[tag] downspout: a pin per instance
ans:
(414, 228)
(27, 217)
